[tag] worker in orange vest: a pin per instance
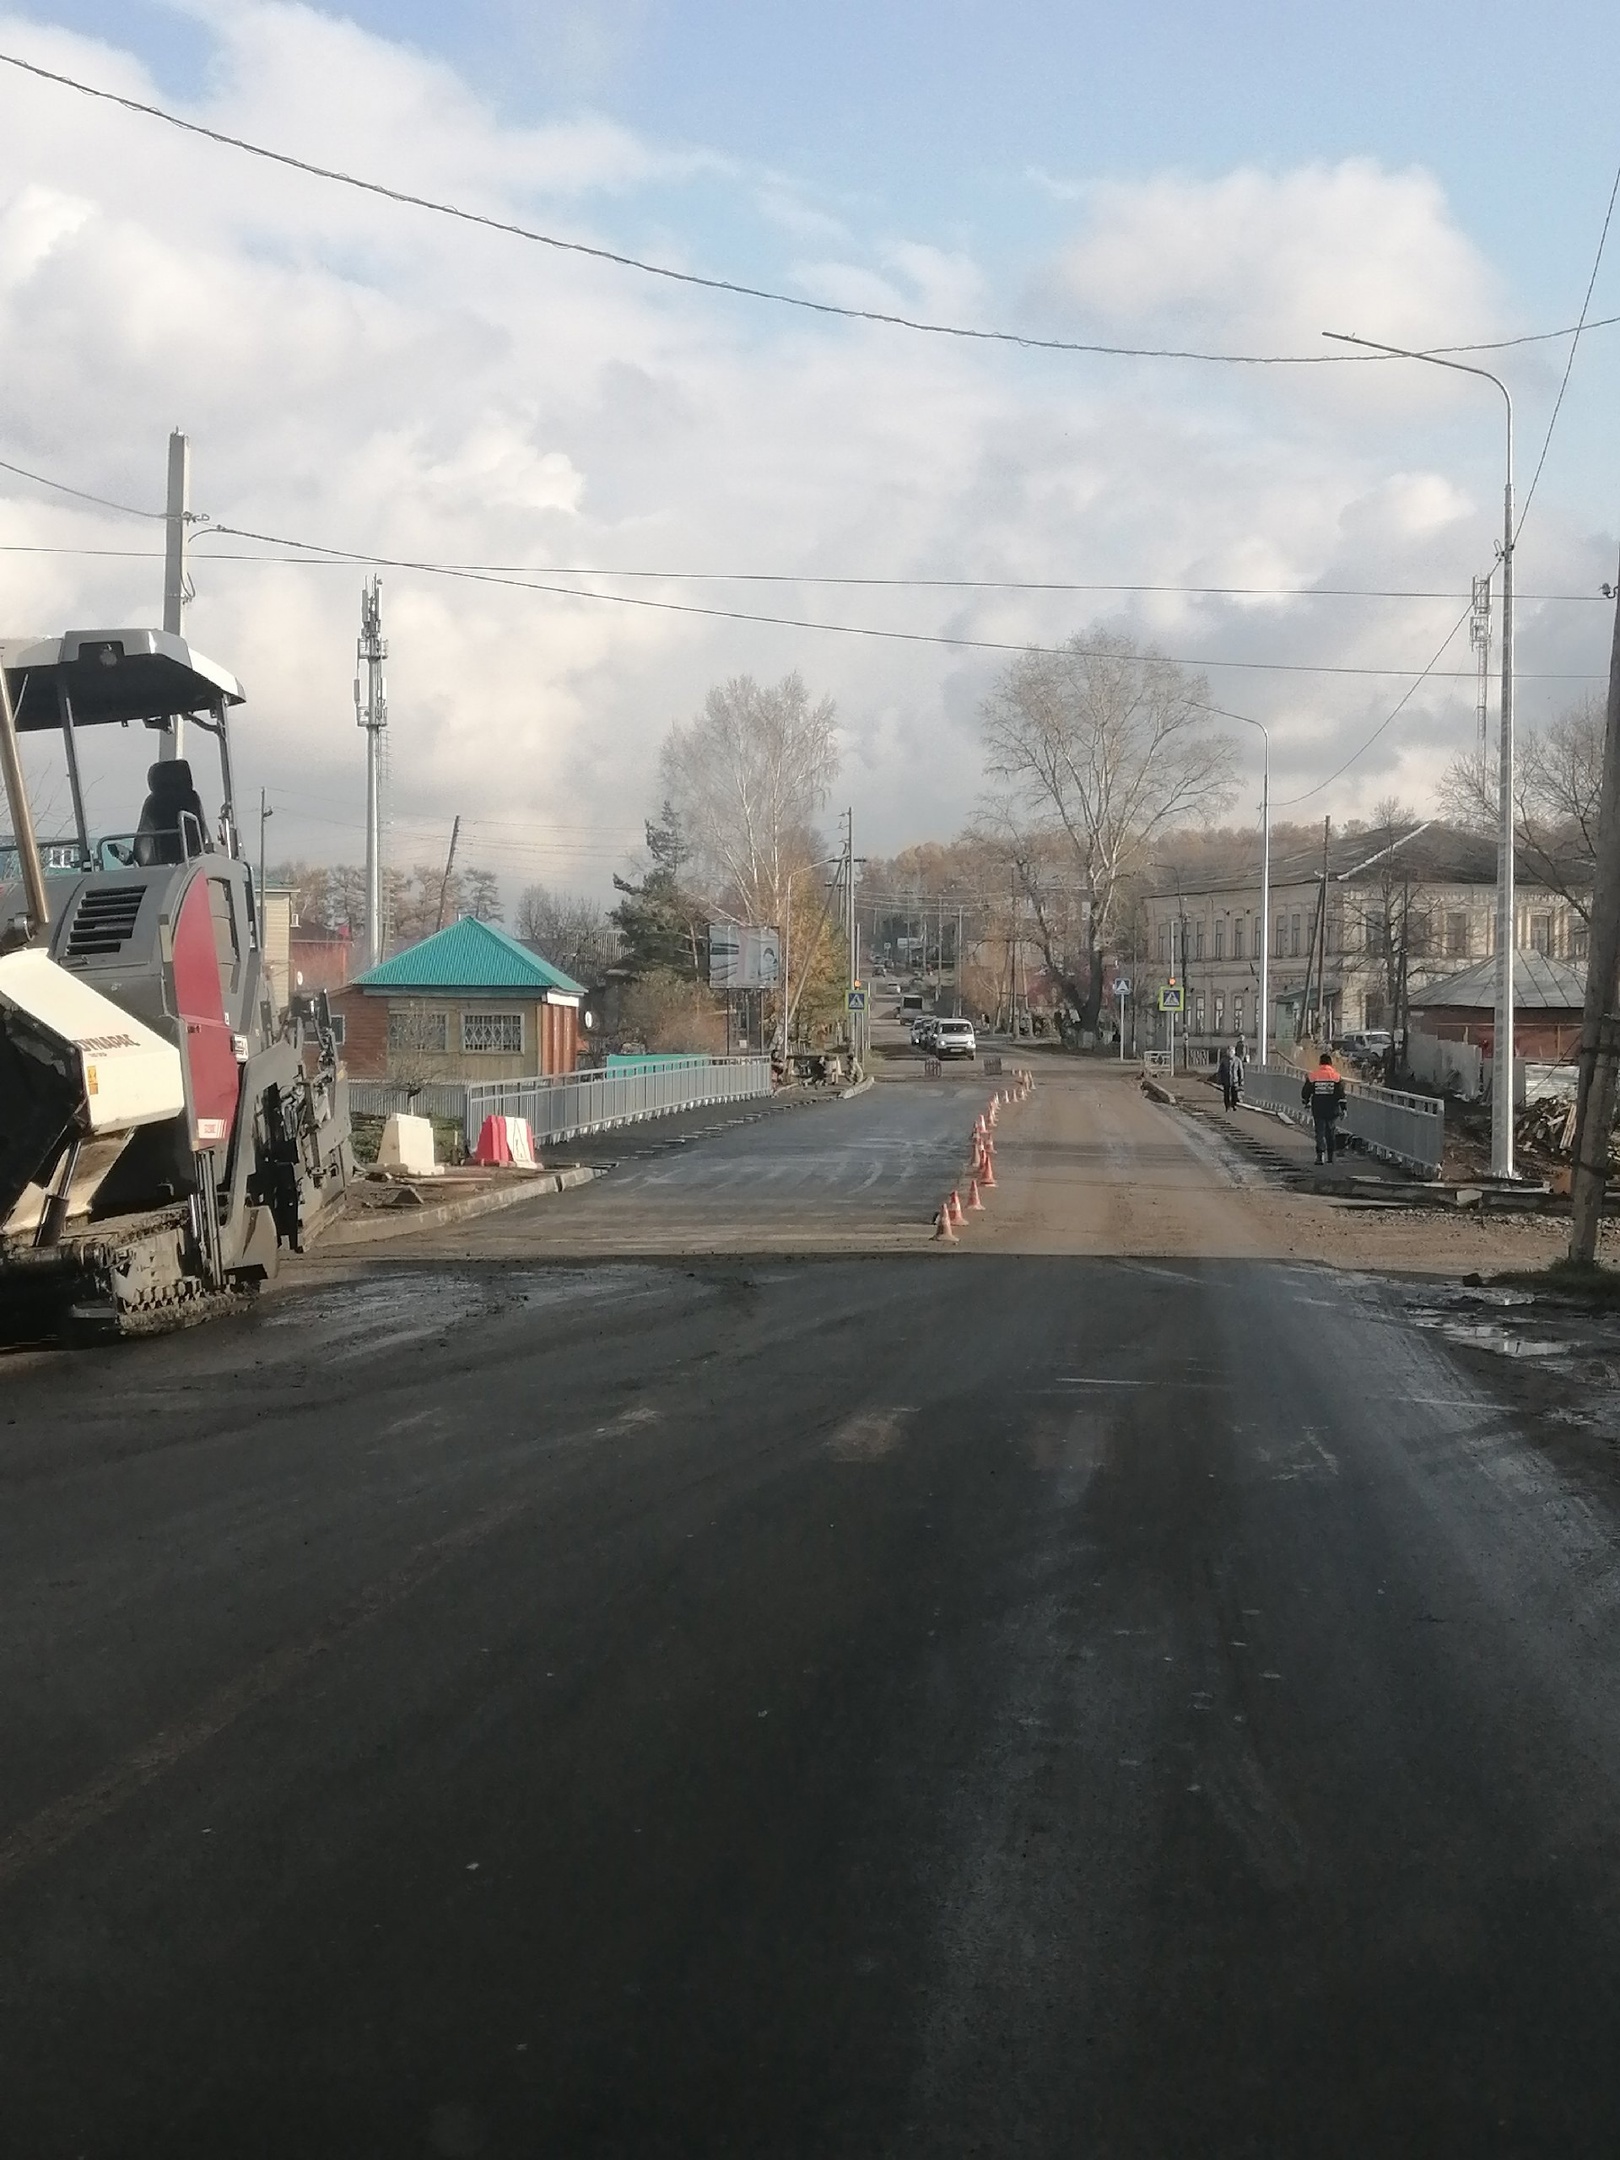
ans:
(1323, 1096)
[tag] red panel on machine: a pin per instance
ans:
(200, 1004)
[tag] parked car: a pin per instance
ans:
(1369, 1043)
(954, 1038)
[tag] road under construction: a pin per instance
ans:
(699, 1664)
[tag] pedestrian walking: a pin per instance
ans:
(1237, 1074)
(1223, 1073)
(1323, 1096)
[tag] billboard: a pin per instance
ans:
(743, 956)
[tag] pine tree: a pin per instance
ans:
(660, 924)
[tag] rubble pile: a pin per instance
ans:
(1546, 1125)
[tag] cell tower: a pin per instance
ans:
(1479, 636)
(371, 713)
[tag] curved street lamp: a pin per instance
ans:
(1506, 911)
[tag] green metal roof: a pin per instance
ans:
(469, 956)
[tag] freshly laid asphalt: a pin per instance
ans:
(908, 1704)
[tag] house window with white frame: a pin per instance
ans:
(495, 1033)
(417, 1027)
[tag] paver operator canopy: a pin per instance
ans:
(160, 1135)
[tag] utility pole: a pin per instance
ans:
(1599, 1054)
(176, 587)
(444, 882)
(372, 715)
(1479, 637)
(265, 815)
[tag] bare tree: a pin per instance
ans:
(747, 779)
(1559, 778)
(1108, 746)
(571, 932)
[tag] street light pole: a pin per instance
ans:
(1506, 908)
(1264, 1016)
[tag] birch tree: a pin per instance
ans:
(747, 778)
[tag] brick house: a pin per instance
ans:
(1549, 998)
(469, 1003)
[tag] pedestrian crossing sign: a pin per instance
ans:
(855, 1000)
(1171, 998)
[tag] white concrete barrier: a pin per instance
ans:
(407, 1144)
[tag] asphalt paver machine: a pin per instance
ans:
(165, 1133)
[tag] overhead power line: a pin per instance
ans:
(733, 286)
(62, 488)
(819, 578)
(797, 622)
(1288, 801)
(1569, 362)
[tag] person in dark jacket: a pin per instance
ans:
(1223, 1073)
(1237, 1074)
(1323, 1096)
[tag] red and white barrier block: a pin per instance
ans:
(508, 1142)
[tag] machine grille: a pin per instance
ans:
(103, 920)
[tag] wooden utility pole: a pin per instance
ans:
(449, 872)
(1600, 1028)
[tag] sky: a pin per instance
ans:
(368, 376)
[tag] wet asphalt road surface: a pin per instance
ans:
(890, 1706)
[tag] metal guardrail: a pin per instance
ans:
(1402, 1128)
(393, 1098)
(591, 1102)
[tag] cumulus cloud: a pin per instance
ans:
(367, 376)
(1270, 260)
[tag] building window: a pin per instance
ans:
(1293, 937)
(1541, 933)
(1237, 1014)
(1198, 1014)
(1220, 1010)
(1457, 935)
(1237, 939)
(1220, 939)
(1578, 935)
(496, 1032)
(310, 1033)
(1282, 935)
(417, 1027)
(1198, 942)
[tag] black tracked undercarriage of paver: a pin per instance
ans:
(165, 1132)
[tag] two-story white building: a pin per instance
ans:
(1410, 911)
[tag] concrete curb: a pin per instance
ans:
(396, 1222)
(849, 1094)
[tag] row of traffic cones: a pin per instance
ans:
(982, 1167)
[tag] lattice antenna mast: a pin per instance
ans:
(1479, 637)
(371, 713)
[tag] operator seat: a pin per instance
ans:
(166, 833)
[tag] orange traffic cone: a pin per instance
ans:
(944, 1228)
(975, 1206)
(955, 1205)
(987, 1172)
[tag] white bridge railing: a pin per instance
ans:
(592, 1101)
(1402, 1128)
(584, 1102)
